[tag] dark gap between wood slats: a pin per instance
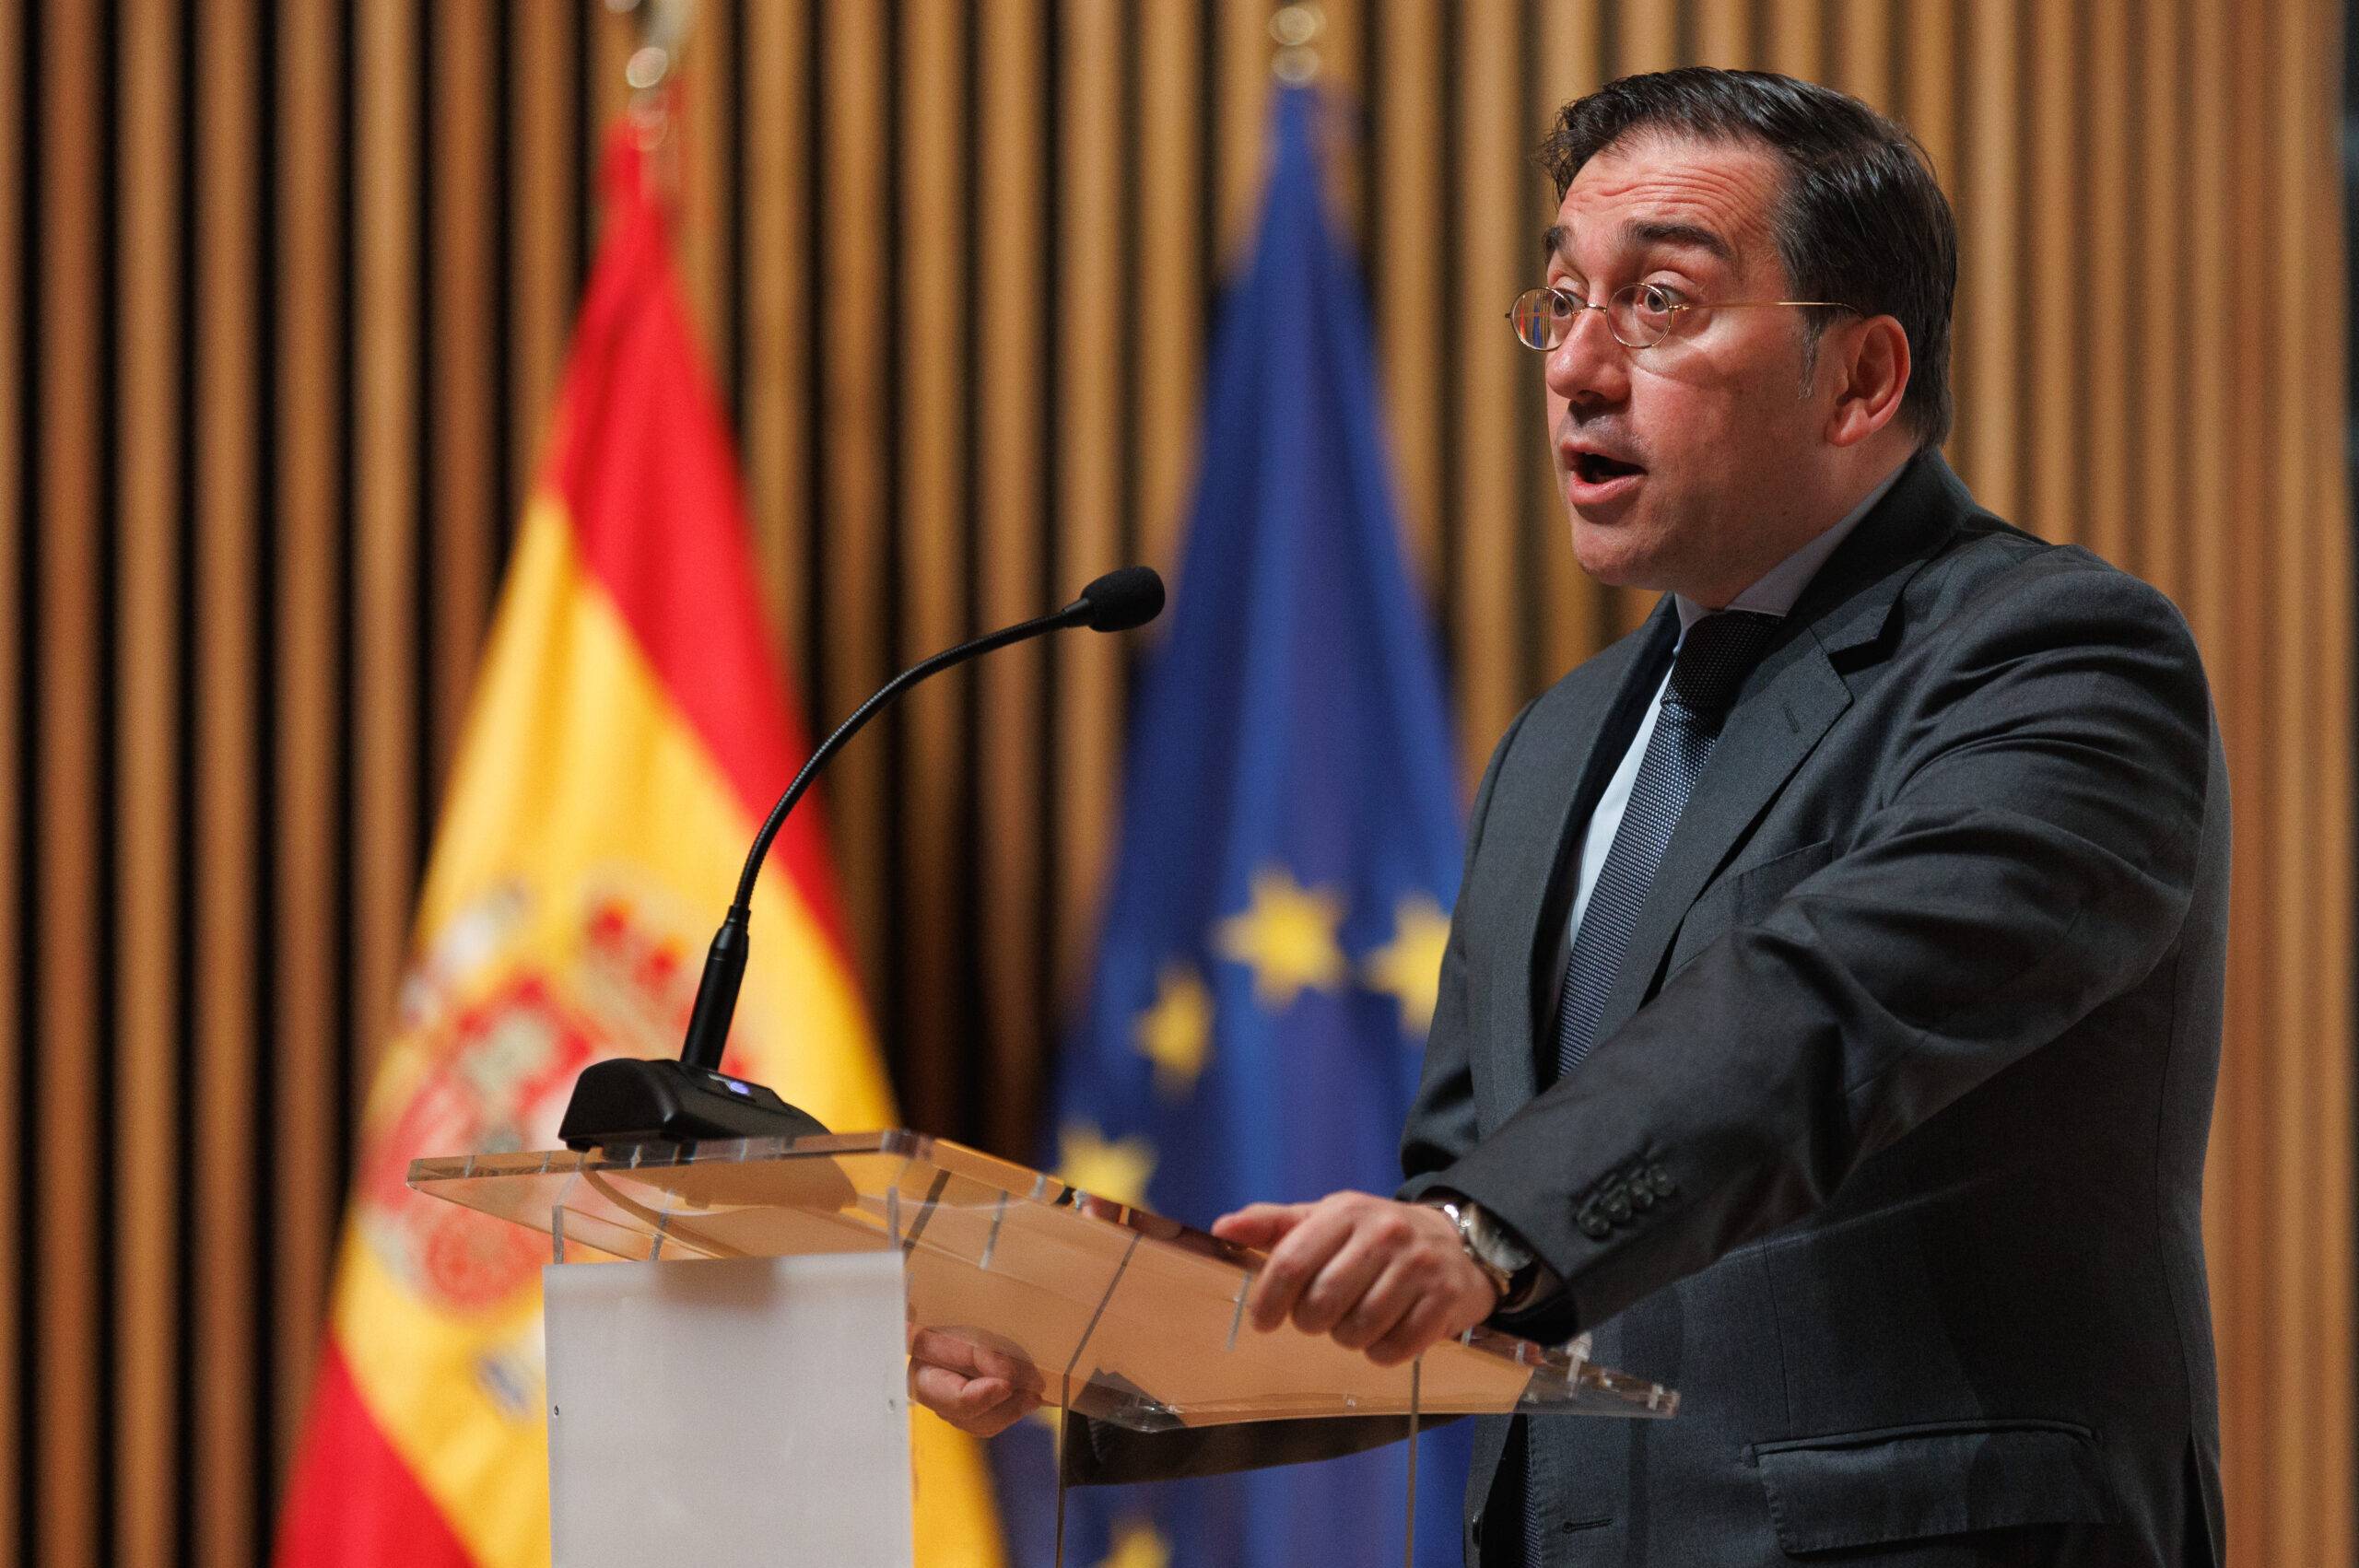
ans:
(31, 1004)
(103, 1053)
(507, 495)
(268, 1043)
(427, 522)
(351, 1039)
(186, 740)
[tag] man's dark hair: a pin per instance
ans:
(1861, 219)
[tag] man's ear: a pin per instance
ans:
(1868, 366)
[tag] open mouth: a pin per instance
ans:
(1596, 468)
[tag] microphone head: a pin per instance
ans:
(1124, 598)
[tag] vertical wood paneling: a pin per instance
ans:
(935, 773)
(1170, 333)
(1408, 298)
(2053, 308)
(1495, 261)
(18, 1300)
(1090, 316)
(1862, 52)
(1990, 328)
(2161, 256)
(777, 285)
(151, 1039)
(1796, 38)
(2103, 362)
(1240, 49)
(464, 505)
(63, 1250)
(540, 215)
(385, 509)
(953, 264)
(699, 153)
(1009, 489)
(1649, 36)
(303, 1118)
(935, 777)
(850, 526)
(1723, 34)
(226, 494)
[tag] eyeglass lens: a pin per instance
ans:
(1638, 315)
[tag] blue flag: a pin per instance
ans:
(1289, 852)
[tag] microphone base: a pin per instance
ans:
(630, 1100)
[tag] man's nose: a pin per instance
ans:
(1589, 366)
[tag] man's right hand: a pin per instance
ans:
(974, 1387)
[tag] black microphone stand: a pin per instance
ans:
(632, 1100)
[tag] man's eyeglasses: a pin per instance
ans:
(1639, 315)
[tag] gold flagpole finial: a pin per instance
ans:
(1297, 29)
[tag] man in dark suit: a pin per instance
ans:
(1832, 1008)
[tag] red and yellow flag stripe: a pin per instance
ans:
(629, 730)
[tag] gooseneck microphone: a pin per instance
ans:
(630, 1100)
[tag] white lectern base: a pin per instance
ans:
(728, 1413)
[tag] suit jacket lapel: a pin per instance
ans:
(1786, 708)
(1564, 743)
(1764, 739)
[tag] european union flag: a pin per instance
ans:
(1289, 855)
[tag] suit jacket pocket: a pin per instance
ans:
(1907, 1483)
(1742, 897)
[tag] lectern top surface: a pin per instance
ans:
(1121, 1313)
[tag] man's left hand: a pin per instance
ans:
(1388, 1278)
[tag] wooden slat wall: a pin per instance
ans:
(287, 289)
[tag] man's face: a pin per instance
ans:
(1692, 465)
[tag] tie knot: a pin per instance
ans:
(1715, 657)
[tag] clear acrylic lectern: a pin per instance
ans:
(1127, 1316)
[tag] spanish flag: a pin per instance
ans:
(628, 732)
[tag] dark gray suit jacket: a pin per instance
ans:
(1889, 1155)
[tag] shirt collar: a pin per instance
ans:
(1776, 592)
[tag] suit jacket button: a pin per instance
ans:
(1617, 1205)
(1594, 1225)
(1661, 1181)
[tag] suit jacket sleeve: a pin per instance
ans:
(1441, 1124)
(2027, 852)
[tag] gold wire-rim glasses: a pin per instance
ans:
(1632, 313)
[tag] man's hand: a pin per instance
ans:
(1390, 1278)
(974, 1387)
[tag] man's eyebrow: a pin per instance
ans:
(1687, 236)
(1556, 241)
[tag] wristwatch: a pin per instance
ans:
(1504, 1261)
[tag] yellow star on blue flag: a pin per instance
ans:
(1286, 936)
(1178, 1030)
(1408, 968)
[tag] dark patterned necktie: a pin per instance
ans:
(1714, 658)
